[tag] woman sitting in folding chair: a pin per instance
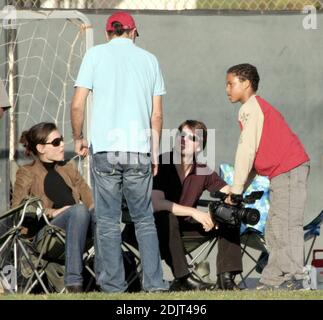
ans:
(176, 190)
(61, 188)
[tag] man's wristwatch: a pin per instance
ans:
(79, 137)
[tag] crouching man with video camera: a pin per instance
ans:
(176, 190)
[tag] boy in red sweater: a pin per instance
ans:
(268, 147)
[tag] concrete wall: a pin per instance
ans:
(195, 51)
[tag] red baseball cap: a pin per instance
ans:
(127, 21)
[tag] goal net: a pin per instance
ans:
(40, 54)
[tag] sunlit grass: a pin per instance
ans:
(215, 295)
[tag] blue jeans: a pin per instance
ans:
(129, 174)
(75, 221)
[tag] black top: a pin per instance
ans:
(56, 189)
(200, 178)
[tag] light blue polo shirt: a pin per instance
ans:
(123, 78)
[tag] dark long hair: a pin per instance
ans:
(37, 134)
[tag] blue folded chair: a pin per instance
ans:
(252, 236)
(312, 231)
(259, 183)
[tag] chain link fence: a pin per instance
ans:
(258, 5)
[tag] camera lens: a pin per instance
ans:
(250, 216)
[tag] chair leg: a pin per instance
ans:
(244, 278)
(194, 262)
(34, 268)
(309, 251)
(210, 243)
(31, 286)
(256, 261)
(136, 270)
(87, 260)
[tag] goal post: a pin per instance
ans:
(40, 55)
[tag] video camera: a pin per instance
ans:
(234, 214)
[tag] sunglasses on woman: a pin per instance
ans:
(56, 142)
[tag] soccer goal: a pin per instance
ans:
(40, 55)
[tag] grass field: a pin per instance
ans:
(219, 295)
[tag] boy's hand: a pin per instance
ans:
(228, 200)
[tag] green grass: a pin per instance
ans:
(219, 295)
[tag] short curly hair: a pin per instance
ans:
(246, 71)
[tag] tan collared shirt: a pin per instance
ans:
(251, 120)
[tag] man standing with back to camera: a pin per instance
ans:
(127, 87)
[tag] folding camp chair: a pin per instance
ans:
(37, 259)
(252, 236)
(198, 249)
(311, 232)
(16, 251)
(50, 247)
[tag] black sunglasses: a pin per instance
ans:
(56, 142)
(190, 136)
